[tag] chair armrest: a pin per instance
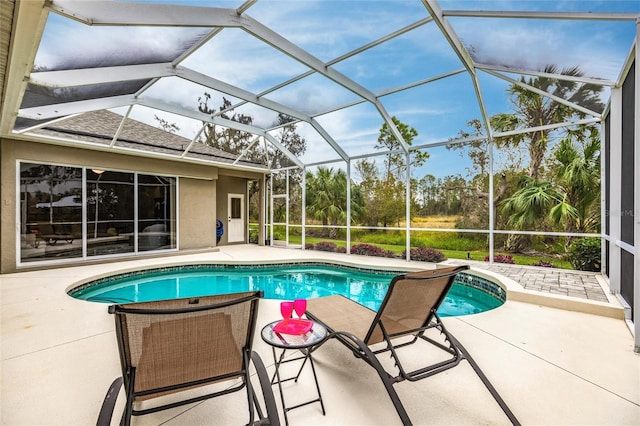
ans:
(272, 418)
(106, 412)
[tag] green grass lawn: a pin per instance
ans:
(479, 255)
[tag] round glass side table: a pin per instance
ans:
(305, 343)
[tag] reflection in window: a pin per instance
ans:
(236, 208)
(110, 212)
(52, 225)
(156, 212)
(50, 212)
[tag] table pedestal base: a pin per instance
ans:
(277, 379)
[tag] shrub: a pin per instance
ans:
(326, 246)
(309, 246)
(341, 249)
(501, 258)
(390, 254)
(425, 254)
(253, 236)
(584, 254)
(367, 250)
(544, 264)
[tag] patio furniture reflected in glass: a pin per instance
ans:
(406, 317)
(179, 346)
(110, 213)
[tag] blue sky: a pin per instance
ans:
(329, 29)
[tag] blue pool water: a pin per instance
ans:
(284, 282)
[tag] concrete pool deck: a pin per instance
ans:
(552, 366)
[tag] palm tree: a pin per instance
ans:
(529, 205)
(578, 172)
(533, 109)
(327, 197)
(571, 200)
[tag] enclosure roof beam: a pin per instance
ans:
(462, 53)
(67, 108)
(284, 150)
(175, 109)
(546, 94)
(597, 81)
(86, 76)
(547, 127)
(110, 13)
(327, 137)
(588, 16)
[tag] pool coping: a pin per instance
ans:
(517, 293)
(487, 286)
(514, 291)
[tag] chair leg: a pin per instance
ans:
(108, 405)
(507, 411)
(267, 392)
(388, 381)
(247, 379)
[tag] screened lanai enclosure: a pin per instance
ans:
(500, 131)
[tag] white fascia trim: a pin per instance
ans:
(29, 19)
(147, 154)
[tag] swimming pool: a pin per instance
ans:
(469, 295)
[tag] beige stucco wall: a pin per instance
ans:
(197, 206)
(197, 189)
(229, 185)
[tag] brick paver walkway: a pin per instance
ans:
(549, 280)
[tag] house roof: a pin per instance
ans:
(99, 127)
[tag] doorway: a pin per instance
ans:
(236, 226)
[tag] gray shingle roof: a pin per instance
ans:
(100, 126)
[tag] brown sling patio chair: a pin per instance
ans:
(179, 346)
(406, 315)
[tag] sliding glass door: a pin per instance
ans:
(65, 215)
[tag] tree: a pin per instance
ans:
(290, 139)
(533, 109)
(526, 200)
(226, 138)
(369, 181)
(395, 163)
(529, 205)
(570, 197)
(327, 197)
(242, 143)
(165, 125)
(577, 170)
(276, 159)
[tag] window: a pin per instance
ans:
(50, 212)
(110, 212)
(56, 222)
(156, 212)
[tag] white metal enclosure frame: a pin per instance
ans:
(133, 83)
